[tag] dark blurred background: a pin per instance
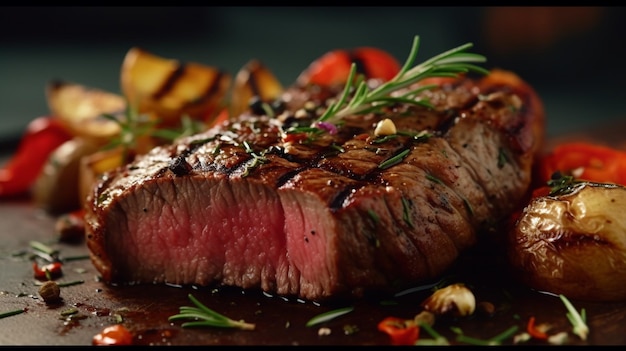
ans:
(573, 56)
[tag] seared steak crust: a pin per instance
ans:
(245, 204)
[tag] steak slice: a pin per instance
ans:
(245, 204)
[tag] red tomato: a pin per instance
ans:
(113, 335)
(334, 67)
(401, 332)
(586, 161)
(42, 136)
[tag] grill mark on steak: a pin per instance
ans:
(311, 223)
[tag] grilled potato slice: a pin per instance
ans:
(81, 108)
(253, 80)
(574, 243)
(170, 89)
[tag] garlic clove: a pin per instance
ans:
(455, 299)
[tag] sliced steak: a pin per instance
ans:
(247, 205)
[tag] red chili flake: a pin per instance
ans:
(52, 270)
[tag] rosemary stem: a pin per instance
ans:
(11, 313)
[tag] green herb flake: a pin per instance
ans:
(394, 160)
(11, 313)
(328, 316)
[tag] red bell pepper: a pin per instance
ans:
(534, 331)
(401, 331)
(42, 136)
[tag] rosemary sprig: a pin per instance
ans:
(11, 313)
(327, 316)
(206, 317)
(132, 127)
(578, 320)
(364, 100)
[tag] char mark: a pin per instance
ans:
(212, 89)
(170, 82)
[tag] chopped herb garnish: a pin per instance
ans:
(75, 258)
(132, 127)
(69, 311)
(502, 158)
(494, 341)
(203, 316)
(72, 283)
(394, 160)
(434, 179)
(257, 159)
(373, 216)
(578, 320)
(385, 138)
(38, 246)
(327, 316)
(11, 313)
(562, 184)
(437, 339)
(406, 206)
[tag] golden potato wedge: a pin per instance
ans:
(171, 89)
(253, 80)
(55, 188)
(81, 108)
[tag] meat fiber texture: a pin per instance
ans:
(243, 205)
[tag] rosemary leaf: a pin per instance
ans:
(451, 63)
(41, 247)
(394, 160)
(203, 316)
(11, 313)
(327, 316)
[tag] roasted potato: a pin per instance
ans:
(81, 108)
(169, 89)
(573, 242)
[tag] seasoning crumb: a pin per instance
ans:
(323, 331)
(50, 291)
(350, 329)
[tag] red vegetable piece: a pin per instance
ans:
(52, 270)
(401, 331)
(334, 67)
(583, 160)
(533, 331)
(42, 136)
(113, 335)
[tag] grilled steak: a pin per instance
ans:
(245, 204)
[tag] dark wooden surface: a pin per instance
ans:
(145, 309)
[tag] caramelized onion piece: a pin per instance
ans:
(574, 243)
